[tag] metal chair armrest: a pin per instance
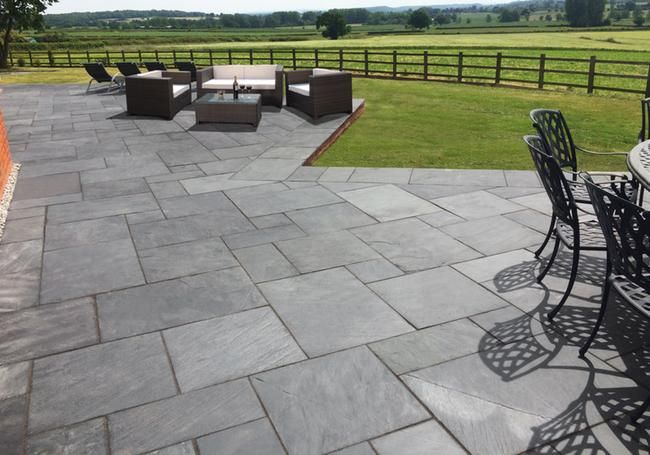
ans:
(591, 152)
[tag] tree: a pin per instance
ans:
(19, 15)
(584, 13)
(488, 18)
(334, 24)
(509, 15)
(637, 17)
(419, 19)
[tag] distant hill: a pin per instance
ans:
(399, 9)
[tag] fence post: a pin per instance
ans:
(174, 55)
(123, 56)
(316, 58)
(140, 56)
(50, 59)
(250, 56)
(647, 84)
(425, 67)
(592, 75)
(394, 64)
(31, 62)
(542, 66)
(229, 56)
(365, 61)
(108, 59)
(460, 67)
(293, 56)
(340, 59)
(69, 59)
(156, 53)
(497, 74)
(271, 56)
(11, 58)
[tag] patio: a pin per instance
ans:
(196, 290)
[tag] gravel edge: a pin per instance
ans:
(6, 197)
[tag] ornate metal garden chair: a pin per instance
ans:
(626, 228)
(574, 233)
(556, 136)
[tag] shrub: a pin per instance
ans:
(21, 62)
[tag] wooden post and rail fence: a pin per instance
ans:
(590, 74)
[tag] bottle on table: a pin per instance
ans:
(235, 88)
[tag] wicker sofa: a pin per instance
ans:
(319, 92)
(264, 79)
(158, 93)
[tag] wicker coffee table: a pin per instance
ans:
(214, 108)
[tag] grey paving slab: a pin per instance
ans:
(165, 190)
(488, 268)
(339, 187)
(219, 182)
(494, 235)
(23, 229)
(46, 201)
(174, 176)
(185, 152)
(603, 438)
(184, 448)
(236, 194)
(14, 379)
(153, 126)
(224, 166)
(441, 218)
(89, 232)
(531, 219)
(289, 152)
(307, 173)
(332, 310)
(324, 251)
(329, 218)
(113, 188)
(313, 410)
(47, 329)
(87, 437)
(357, 449)
(234, 150)
(374, 270)
(183, 417)
(387, 203)
(510, 192)
(20, 257)
(254, 437)
(456, 296)
(267, 221)
(184, 259)
(78, 385)
(381, 175)
(86, 210)
(480, 177)
(262, 236)
(538, 201)
(229, 347)
(126, 167)
(432, 192)
(89, 269)
(264, 263)
(144, 217)
(413, 245)
(422, 439)
(284, 201)
(430, 346)
(19, 214)
(525, 179)
(336, 174)
(46, 186)
(269, 169)
(479, 204)
(13, 415)
(175, 302)
(61, 167)
(510, 324)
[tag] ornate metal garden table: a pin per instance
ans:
(638, 162)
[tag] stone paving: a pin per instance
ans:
(173, 289)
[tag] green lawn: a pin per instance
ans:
(428, 124)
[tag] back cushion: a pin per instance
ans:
(259, 72)
(228, 71)
(151, 74)
(322, 71)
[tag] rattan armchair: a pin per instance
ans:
(319, 92)
(158, 93)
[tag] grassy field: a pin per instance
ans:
(424, 124)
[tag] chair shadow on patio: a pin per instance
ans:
(526, 346)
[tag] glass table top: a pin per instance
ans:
(226, 98)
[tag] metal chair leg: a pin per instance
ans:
(88, 88)
(601, 315)
(551, 228)
(572, 278)
(639, 412)
(550, 260)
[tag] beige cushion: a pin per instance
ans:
(226, 84)
(218, 84)
(151, 74)
(228, 72)
(322, 72)
(300, 89)
(179, 89)
(259, 72)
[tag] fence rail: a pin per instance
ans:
(500, 68)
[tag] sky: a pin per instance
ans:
(251, 6)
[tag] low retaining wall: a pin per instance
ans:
(6, 165)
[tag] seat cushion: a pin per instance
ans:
(150, 74)
(300, 89)
(323, 72)
(228, 72)
(218, 84)
(179, 89)
(259, 72)
(259, 84)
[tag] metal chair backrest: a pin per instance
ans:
(187, 66)
(128, 68)
(98, 72)
(644, 133)
(555, 183)
(155, 66)
(554, 131)
(626, 228)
